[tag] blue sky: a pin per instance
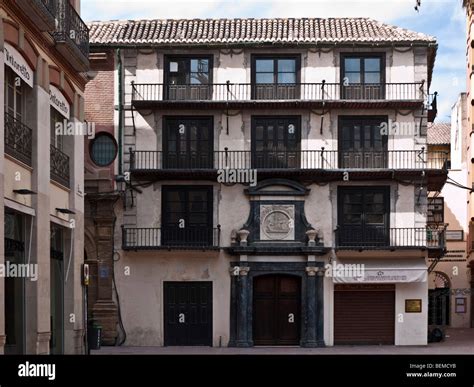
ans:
(443, 19)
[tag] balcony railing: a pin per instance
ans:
(380, 237)
(296, 160)
(59, 166)
(72, 32)
(239, 92)
(18, 139)
(188, 238)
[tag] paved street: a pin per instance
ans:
(457, 342)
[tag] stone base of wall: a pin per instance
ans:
(42, 343)
(105, 314)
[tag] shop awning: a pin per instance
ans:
(377, 271)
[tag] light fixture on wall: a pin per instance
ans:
(65, 211)
(24, 191)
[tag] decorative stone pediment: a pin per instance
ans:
(277, 187)
(277, 223)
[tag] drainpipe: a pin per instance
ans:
(120, 108)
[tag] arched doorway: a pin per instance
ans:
(439, 300)
(276, 310)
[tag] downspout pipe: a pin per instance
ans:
(120, 109)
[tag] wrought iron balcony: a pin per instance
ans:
(72, 36)
(41, 12)
(59, 162)
(188, 238)
(382, 238)
(149, 94)
(18, 139)
(293, 160)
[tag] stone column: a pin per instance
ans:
(311, 311)
(242, 339)
(104, 310)
(320, 307)
(38, 308)
(73, 291)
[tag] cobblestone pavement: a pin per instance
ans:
(458, 341)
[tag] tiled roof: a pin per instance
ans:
(439, 133)
(247, 31)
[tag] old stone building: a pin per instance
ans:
(274, 178)
(42, 75)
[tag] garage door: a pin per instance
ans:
(364, 314)
(188, 313)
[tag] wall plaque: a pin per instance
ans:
(413, 306)
(277, 222)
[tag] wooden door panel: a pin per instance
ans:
(188, 313)
(276, 310)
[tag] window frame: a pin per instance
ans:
(57, 141)
(275, 58)
(91, 146)
(431, 200)
(17, 90)
(364, 55)
(253, 136)
(165, 207)
(364, 226)
(169, 59)
(167, 120)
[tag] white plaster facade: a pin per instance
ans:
(141, 274)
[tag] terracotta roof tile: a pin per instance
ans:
(257, 31)
(439, 133)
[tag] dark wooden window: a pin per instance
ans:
(188, 78)
(363, 216)
(361, 143)
(187, 215)
(436, 210)
(362, 76)
(275, 77)
(188, 142)
(276, 142)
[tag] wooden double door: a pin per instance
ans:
(188, 313)
(276, 310)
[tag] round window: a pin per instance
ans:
(103, 149)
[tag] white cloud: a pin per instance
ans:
(449, 75)
(384, 10)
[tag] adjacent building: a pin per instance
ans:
(273, 177)
(469, 7)
(44, 60)
(449, 280)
